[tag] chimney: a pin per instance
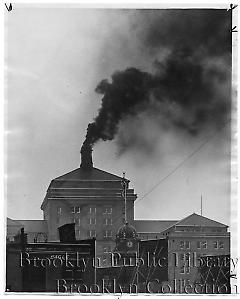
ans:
(86, 156)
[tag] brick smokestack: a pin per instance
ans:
(86, 156)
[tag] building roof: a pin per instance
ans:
(158, 226)
(195, 219)
(33, 225)
(153, 226)
(88, 184)
(11, 222)
(126, 231)
(92, 174)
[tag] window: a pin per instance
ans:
(107, 281)
(78, 221)
(184, 245)
(107, 211)
(108, 234)
(108, 221)
(185, 269)
(187, 258)
(92, 210)
(75, 210)
(221, 245)
(78, 233)
(92, 221)
(58, 220)
(182, 256)
(187, 282)
(91, 233)
(218, 245)
(182, 270)
(10, 238)
(201, 245)
(59, 210)
(198, 245)
(107, 249)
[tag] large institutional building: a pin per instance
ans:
(93, 200)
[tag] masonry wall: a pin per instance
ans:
(180, 257)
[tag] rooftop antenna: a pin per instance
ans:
(124, 185)
(201, 205)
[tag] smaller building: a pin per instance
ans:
(13, 228)
(36, 230)
(50, 266)
(189, 240)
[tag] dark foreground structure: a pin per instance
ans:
(50, 266)
(141, 272)
(136, 266)
(71, 266)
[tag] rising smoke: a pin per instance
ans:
(190, 87)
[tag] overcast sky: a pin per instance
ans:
(55, 60)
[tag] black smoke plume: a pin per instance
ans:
(190, 86)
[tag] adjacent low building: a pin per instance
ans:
(36, 230)
(189, 240)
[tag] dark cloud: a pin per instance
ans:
(206, 30)
(190, 87)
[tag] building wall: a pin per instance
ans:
(186, 244)
(96, 208)
(13, 269)
(185, 249)
(95, 219)
(12, 231)
(150, 235)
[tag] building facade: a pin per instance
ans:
(189, 239)
(93, 200)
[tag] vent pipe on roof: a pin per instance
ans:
(86, 156)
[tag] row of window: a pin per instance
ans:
(198, 229)
(91, 210)
(202, 245)
(92, 233)
(92, 221)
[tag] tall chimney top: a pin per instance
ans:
(86, 156)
